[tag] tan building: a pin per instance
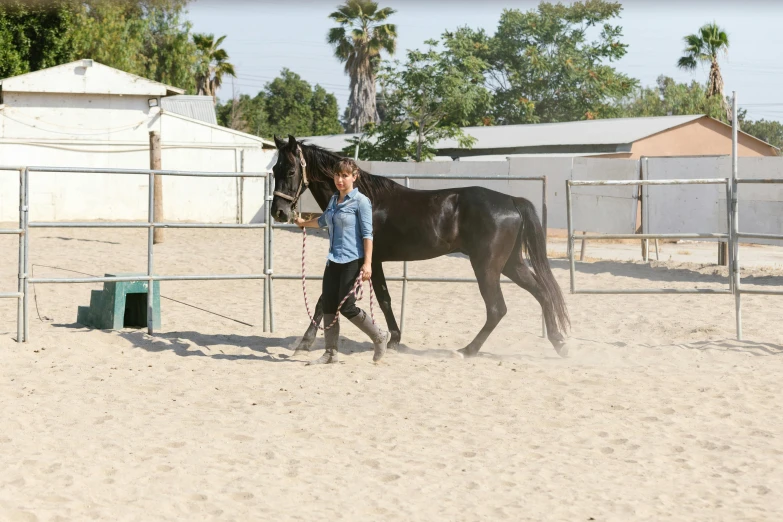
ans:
(696, 135)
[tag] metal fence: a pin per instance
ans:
(405, 278)
(696, 235)
(21, 232)
(738, 290)
(22, 294)
(150, 225)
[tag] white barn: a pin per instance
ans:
(85, 114)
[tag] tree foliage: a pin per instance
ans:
(211, 64)
(358, 40)
(541, 67)
(769, 131)
(149, 38)
(705, 47)
(669, 97)
(287, 105)
(427, 98)
(35, 35)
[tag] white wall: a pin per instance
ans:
(108, 131)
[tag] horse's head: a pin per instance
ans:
(290, 178)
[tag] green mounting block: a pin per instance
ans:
(121, 305)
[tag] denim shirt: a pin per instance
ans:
(349, 223)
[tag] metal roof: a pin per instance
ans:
(616, 131)
(613, 131)
(333, 142)
(197, 107)
(86, 77)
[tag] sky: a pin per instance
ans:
(263, 37)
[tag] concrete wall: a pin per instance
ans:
(703, 208)
(685, 208)
(760, 206)
(613, 201)
(606, 209)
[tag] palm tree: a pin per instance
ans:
(358, 41)
(704, 47)
(211, 64)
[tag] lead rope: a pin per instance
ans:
(357, 290)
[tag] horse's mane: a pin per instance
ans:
(320, 167)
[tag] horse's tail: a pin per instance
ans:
(534, 242)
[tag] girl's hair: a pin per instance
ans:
(346, 165)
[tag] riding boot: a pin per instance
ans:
(379, 337)
(331, 336)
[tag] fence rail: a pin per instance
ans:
(22, 294)
(21, 232)
(698, 235)
(25, 225)
(738, 290)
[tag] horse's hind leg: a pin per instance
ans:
(518, 271)
(312, 329)
(489, 284)
(384, 302)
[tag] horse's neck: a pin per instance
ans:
(322, 193)
(321, 185)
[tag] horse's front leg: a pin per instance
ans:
(384, 302)
(312, 329)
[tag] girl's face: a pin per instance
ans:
(344, 181)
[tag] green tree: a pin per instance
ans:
(35, 36)
(769, 131)
(244, 113)
(358, 42)
(287, 105)
(149, 38)
(427, 99)
(671, 98)
(326, 116)
(705, 47)
(211, 64)
(168, 47)
(540, 66)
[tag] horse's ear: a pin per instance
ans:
(280, 143)
(292, 141)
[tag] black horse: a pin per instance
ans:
(491, 228)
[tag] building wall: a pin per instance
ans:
(112, 131)
(702, 137)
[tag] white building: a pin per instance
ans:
(84, 114)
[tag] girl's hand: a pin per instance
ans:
(366, 272)
(300, 222)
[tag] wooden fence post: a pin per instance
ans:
(155, 164)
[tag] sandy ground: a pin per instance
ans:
(657, 415)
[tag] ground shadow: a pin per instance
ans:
(727, 345)
(660, 273)
(79, 239)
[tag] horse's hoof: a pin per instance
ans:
(466, 352)
(562, 349)
(304, 346)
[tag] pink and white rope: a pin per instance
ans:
(357, 290)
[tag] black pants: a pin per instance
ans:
(339, 279)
